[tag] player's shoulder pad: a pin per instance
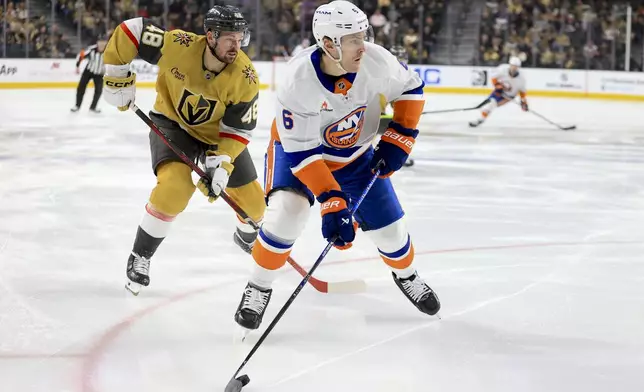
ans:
(503, 68)
(299, 68)
(379, 62)
(243, 61)
(301, 96)
(296, 90)
(180, 38)
(245, 76)
(377, 51)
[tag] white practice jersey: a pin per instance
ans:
(336, 119)
(513, 85)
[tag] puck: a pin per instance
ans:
(244, 379)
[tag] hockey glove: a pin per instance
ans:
(337, 225)
(119, 86)
(499, 89)
(393, 149)
(524, 105)
(218, 168)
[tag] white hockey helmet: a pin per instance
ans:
(514, 60)
(337, 19)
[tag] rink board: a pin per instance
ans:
(612, 85)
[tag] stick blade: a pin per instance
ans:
(570, 128)
(236, 384)
(348, 287)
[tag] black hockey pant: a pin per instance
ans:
(82, 85)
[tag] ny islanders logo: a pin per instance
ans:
(345, 132)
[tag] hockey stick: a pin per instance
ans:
(347, 287)
(235, 384)
(480, 105)
(568, 128)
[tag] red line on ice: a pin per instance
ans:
(91, 359)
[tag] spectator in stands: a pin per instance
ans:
(377, 21)
(284, 22)
(27, 35)
(549, 33)
(393, 23)
(550, 30)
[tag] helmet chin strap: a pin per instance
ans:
(337, 62)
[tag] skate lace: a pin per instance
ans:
(416, 288)
(255, 300)
(141, 265)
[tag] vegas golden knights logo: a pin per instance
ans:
(195, 109)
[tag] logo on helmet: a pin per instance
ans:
(345, 132)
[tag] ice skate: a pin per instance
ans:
(476, 123)
(251, 308)
(419, 293)
(245, 240)
(138, 269)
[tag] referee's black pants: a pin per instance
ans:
(82, 86)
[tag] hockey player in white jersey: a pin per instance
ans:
(508, 81)
(327, 115)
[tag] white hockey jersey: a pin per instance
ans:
(335, 119)
(513, 85)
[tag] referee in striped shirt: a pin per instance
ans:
(94, 70)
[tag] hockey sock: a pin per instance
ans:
(270, 255)
(400, 261)
(152, 230)
(262, 277)
(246, 232)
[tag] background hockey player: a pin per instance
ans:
(387, 111)
(94, 70)
(321, 149)
(508, 81)
(206, 103)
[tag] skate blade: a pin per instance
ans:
(241, 334)
(133, 287)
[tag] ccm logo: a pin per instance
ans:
(330, 204)
(404, 140)
(119, 84)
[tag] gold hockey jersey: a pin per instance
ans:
(218, 109)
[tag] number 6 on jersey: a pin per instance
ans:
(287, 118)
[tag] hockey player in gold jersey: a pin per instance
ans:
(207, 91)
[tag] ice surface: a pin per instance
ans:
(532, 238)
